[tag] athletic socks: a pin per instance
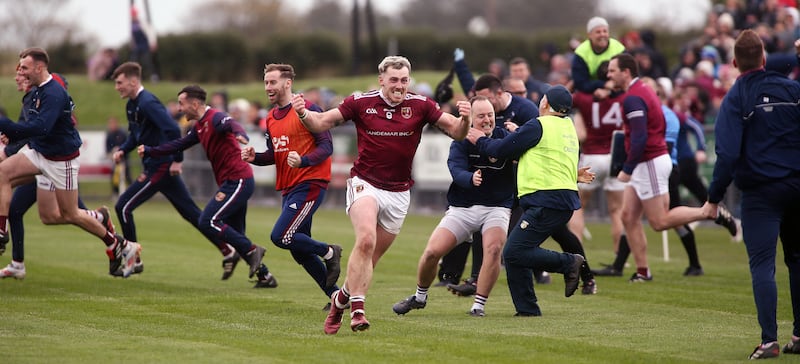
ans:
(623, 252)
(356, 305)
(342, 297)
(329, 254)
(109, 239)
(480, 302)
(422, 294)
(687, 239)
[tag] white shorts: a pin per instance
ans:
(392, 206)
(44, 183)
(601, 164)
(651, 178)
(63, 174)
(463, 221)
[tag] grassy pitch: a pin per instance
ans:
(69, 310)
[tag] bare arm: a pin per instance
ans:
(580, 127)
(316, 122)
(455, 127)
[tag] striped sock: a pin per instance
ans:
(357, 305)
(422, 294)
(480, 302)
(342, 297)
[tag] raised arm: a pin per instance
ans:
(316, 122)
(455, 127)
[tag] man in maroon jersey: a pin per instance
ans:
(596, 121)
(389, 123)
(648, 165)
(220, 135)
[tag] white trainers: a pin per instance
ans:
(13, 270)
(130, 253)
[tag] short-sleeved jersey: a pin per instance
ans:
(600, 119)
(388, 136)
(287, 134)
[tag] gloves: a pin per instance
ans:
(458, 55)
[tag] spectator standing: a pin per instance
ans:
(757, 134)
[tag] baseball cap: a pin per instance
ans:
(559, 99)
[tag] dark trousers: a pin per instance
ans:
(153, 180)
(226, 212)
(292, 231)
(523, 254)
(768, 211)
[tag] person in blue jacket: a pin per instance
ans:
(757, 135)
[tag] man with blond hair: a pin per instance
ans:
(389, 123)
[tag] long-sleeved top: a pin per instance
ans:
(149, 124)
(757, 133)
(217, 132)
(690, 125)
(644, 125)
(49, 125)
(497, 186)
(514, 146)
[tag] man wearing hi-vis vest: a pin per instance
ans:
(547, 150)
(598, 47)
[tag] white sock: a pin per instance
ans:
(422, 294)
(329, 254)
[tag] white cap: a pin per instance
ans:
(594, 23)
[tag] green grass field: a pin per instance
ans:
(68, 310)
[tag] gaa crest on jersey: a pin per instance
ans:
(406, 112)
(359, 188)
(523, 224)
(220, 196)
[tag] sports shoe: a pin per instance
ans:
(589, 287)
(793, 347)
(229, 264)
(334, 320)
(468, 288)
(608, 271)
(638, 278)
(477, 312)
(573, 277)
(114, 253)
(408, 304)
(766, 351)
(266, 281)
(693, 271)
(138, 268)
(130, 254)
(103, 211)
(254, 258)
(13, 270)
(358, 322)
(725, 219)
(333, 266)
(544, 278)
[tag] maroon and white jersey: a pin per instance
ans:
(601, 118)
(388, 136)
